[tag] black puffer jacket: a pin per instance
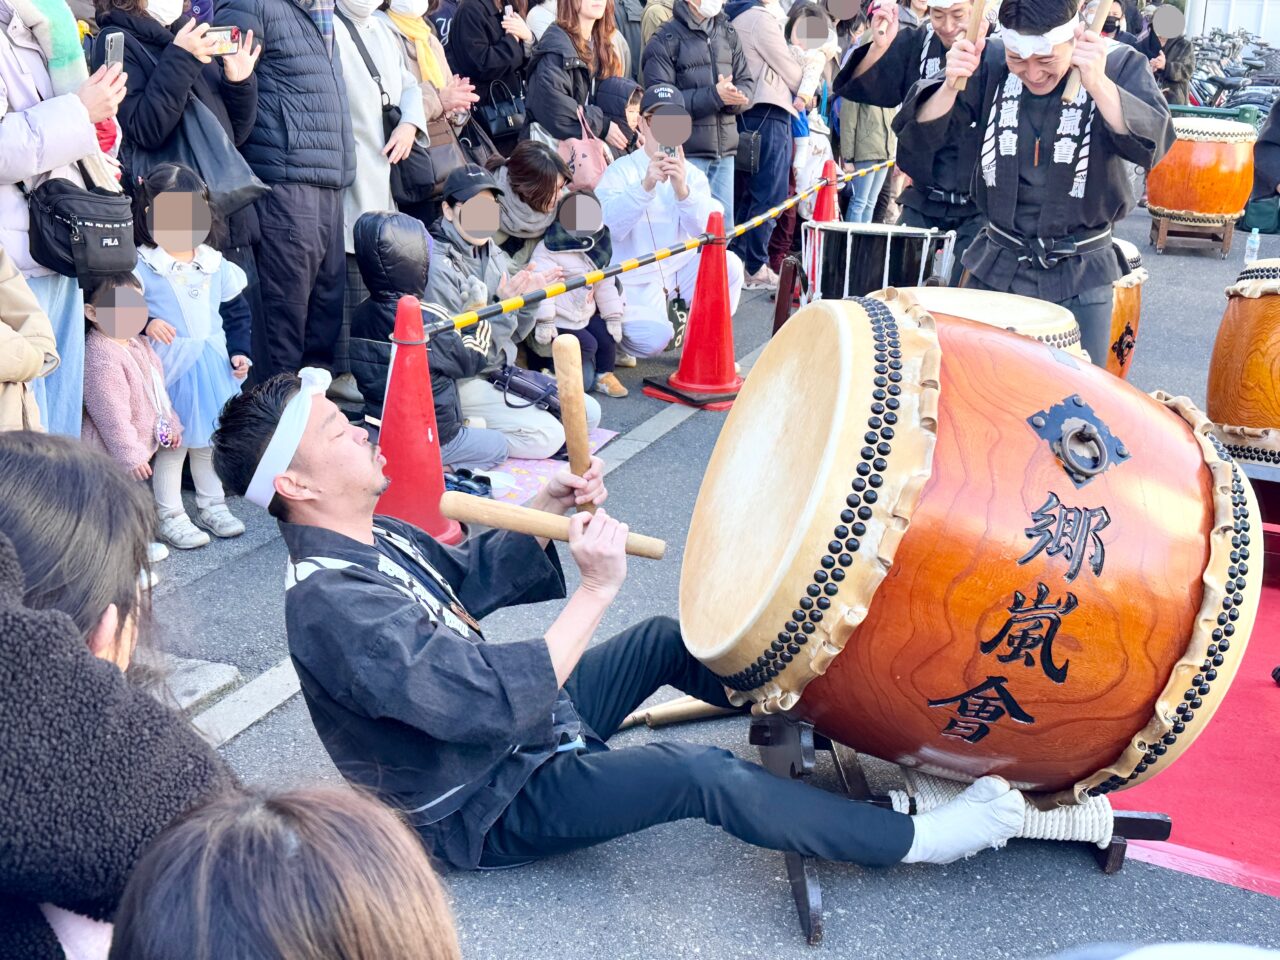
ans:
(91, 771)
(161, 77)
(393, 251)
(302, 133)
(559, 83)
(692, 56)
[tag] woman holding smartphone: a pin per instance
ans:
(169, 57)
(490, 44)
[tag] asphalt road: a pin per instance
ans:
(688, 890)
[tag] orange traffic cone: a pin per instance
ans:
(826, 205)
(408, 438)
(706, 376)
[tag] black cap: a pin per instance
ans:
(659, 94)
(466, 181)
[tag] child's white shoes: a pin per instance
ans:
(219, 521)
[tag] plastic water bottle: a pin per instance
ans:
(1251, 248)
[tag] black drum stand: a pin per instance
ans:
(789, 749)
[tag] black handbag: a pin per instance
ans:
(413, 179)
(747, 159)
(537, 389)
(198, 142)
(504, 118)
(79, 232)
(476, 142)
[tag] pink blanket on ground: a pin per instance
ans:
(518, 481)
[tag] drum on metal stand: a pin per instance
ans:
(852, 259)
(960, 550)
(1038, 319)
(1243, 392)
(1206, 177)
(1126, 308)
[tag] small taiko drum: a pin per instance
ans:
(957, 549)
(1039, 319)
(852, 259)
(1126, 307)
(1207, 175)
(1244, 373)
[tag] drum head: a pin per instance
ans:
(1213, 129)
(1129, 252)
(1038, 319)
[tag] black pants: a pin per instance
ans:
(965, 229)
(575, 800)
(302, 269)
(243, 258)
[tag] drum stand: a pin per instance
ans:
(789, 749)
(1164, 228)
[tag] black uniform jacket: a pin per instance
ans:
(407, 697)
(1032, 207)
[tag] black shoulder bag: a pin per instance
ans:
(78, 232)
(413, 179)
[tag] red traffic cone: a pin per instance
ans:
(706, 376)
(826, 204)
(408, 438)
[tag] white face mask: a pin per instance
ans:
(359, 9)
(410, 8)
(710, 8)
(164, 12)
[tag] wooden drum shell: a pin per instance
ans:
(1201, 179)
(950, 551)
(1244, 372)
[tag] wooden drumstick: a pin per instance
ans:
(976, 16)
(1072, 89)
(465, 508)
(567, 354)
(679, 710)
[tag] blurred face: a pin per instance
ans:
(335, 462)
(810, 31)
(179, 222)
(950, 23)
(581, 215)
(477, 219)
(1041, 74)
(121, 314)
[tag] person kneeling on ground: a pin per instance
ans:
(652, 199)
(392, 250)
(497, 752)
(577, 243)
(311, 874)
(468, 270)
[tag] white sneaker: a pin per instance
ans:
(147, 579)
(344, 387)
(219, 521)
(178, 531)
(157, 552)
(624, 360)
(762, 279)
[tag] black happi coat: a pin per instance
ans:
(1021, 187)
(404, 692)
(912, 57)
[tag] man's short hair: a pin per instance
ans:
(245, 427)
(1036, 16)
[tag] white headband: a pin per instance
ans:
(946, 4)
(288, 434)
(1026, 45)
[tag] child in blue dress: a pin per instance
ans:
(191, 286)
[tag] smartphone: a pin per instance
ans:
(670, 151)
(115, 49)
(226, 40)
(508, 11)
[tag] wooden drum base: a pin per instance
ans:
(1164, 229)
(789, 749)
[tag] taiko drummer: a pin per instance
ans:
(1050, 177)
(497, 752)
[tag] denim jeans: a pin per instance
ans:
(720, 177)
(862, 204)
(768, 186)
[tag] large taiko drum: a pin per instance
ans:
(1244, 373)
(957, 549)
(1207, 175)
(1126, 308)
(1039, 319)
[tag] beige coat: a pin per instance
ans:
(27, 349)
(430, 95)
(774, 69)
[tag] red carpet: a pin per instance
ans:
(1222, 793)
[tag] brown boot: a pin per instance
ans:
(610, 386)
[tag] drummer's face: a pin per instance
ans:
(335, 460)
(950, 23)
(1041, 74)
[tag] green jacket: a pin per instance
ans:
(866, 132)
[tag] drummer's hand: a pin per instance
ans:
(598, 544)
(963, 59)
(1089, 57)
(884, 24)
(567, 490)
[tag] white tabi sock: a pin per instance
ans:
(987, 814)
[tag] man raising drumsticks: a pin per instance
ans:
(1051, 176)
(497, 752)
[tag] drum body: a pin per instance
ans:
(1039, 319)
(909, 535)
(1207, 176)
(852, 259)
(1126, 308)
(1244, 373)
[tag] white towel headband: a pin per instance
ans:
(945, 4)
(1026, 45)
(288, 434)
